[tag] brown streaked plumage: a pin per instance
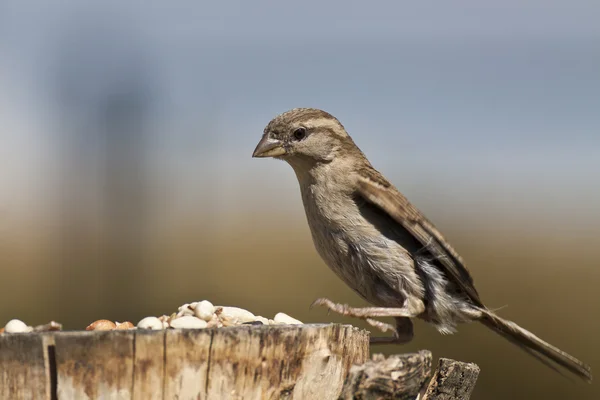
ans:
(378, 243)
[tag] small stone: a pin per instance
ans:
(282, 318)
(125, 325)
(49, 327)
(101, 325)
(188, 322)
(150, 323)
(204, 310)
(164, 319)
(234, 315)
(214, 322)
(16, 326)
(185, 309)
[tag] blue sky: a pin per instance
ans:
(460, 98)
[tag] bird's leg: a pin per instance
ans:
(411, 309)
(382, 326)
(403, 333)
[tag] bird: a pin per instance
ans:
(379, 244)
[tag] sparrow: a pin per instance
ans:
(381, 245)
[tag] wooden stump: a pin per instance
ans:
(405, 376)
(398, 377)
(453, 380)
(245, 362)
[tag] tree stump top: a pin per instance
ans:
(249, 362)
(313, 361)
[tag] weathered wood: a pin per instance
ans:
(91, 365)
(23, 372)
(396, 377)
(453, 380)
(187, 363)
(244, 362)
(298, 362)
(148, 365)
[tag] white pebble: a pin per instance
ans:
(188, 322)
(165, 321)
(214, 322)
(16, 326)
(282, 318)
(235, 316)
(150, 323)
(204, 310)
(185, 309)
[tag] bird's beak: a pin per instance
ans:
(269, 147)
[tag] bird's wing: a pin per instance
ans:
(375, 189)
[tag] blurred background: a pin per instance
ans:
(127, 186)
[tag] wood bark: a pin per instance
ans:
(398, 377)
(453, 380)
(245, 362)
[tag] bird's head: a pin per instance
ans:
(304, 136)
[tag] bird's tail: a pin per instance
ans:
(535, 346)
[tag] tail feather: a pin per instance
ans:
(535, 346)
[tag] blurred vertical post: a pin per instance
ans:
(104, 95)
(123, 216)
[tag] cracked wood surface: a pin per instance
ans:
(398, 377)
(245, 362)
(453, 380)
(405, 377)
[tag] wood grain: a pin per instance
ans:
(187, 363)
(23, 372)
(399, 376)
(453, 380)
(148, 365)
(91, 365)
(327, 361)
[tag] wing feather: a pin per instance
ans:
(374, 188)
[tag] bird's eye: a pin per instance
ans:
(300, 133)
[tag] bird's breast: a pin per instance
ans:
(368, 262)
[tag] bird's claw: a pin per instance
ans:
(341, 309)
(345, 310)
(382, 326)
